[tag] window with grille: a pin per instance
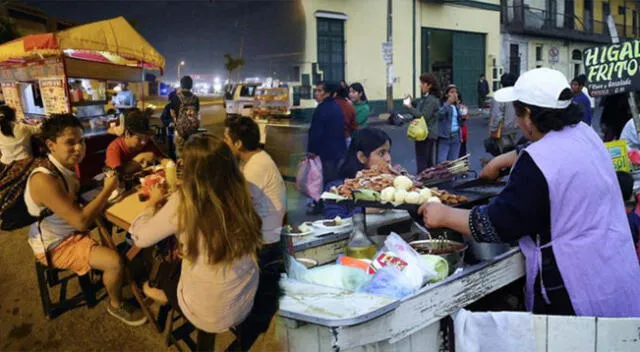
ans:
(330, 34)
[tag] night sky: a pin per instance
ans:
(201, 32)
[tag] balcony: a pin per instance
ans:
(523, 19)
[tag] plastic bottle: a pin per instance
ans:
(359, 245)
(171, 175)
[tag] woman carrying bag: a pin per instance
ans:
(426, 108)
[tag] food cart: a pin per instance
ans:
(71, 71)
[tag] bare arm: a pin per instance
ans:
(47, 190)
(437, 215)
(149, 229)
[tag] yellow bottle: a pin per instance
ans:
(359, 245)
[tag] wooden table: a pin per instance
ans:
(121, 214)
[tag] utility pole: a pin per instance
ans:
(631, 96)
(390, 58)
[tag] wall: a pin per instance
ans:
(365, 31)
(466, 19)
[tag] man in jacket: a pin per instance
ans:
(326, 134)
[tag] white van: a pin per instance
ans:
(239, 99)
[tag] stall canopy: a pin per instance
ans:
(109, 41)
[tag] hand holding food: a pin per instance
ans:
(111, 182)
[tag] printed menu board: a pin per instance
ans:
(54, 96)
(12, 98)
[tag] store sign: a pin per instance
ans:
(613, 68)
(54, 96)
(12, 98)
(554, 55)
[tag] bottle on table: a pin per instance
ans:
(359, 245)
(172, 175)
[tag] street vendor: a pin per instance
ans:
(134, 150)
(369, 147)
(562, 204)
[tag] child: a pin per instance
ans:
(633, 214)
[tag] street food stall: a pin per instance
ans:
(71, 71)
(318, 312)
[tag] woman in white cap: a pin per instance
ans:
(562, 204)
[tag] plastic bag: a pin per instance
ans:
(398, 253)
(418, 130)
(339, 276)
(309, 177)
(438, 264)
(389, 282)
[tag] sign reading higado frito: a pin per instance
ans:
(613, 68)
(54, 95)
(12, 98)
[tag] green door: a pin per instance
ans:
(468, 64)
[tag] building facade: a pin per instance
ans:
(456, 40)
(29, 20)
(554, 33)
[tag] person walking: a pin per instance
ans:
(426, 107)
(503, 128)
(185, 111)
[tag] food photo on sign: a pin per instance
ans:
(613, 68)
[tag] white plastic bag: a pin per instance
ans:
(309, 177)
(411, 264)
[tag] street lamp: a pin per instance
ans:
(179, 67)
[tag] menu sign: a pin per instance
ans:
(54, 96)
(613, 68)
(12, 98)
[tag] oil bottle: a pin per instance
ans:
(359, 245)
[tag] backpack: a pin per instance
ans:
(16, 215)
(188, 119)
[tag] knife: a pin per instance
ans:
(483, 182)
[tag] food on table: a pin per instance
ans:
(387, 194)
(434, 200)
(402, 182)
(445, 170)
(337, 221)
(389, 185)
(148, 182)
(294, 230)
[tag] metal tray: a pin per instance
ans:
(475, 198)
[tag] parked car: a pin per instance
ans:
(239, 99)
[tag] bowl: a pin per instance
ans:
(451, 251)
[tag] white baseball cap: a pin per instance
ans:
(538, 87)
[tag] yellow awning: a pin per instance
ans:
(115, 40)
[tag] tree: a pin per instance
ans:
(232, 63)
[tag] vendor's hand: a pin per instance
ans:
(433, 214)
(157, 195)
(490, 172)
(144, 158)
(110, 182)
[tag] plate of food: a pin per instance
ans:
(303, 229)
(334, 224)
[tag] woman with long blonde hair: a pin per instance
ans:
(219, 233)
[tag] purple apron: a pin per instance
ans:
(590, 234)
